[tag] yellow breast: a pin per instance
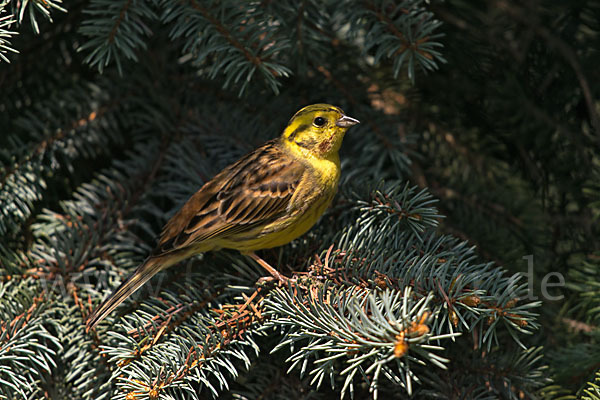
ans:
(312, 197)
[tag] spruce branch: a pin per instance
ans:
(35, 9)
(583, 280)
(219, 35)
(404, 33)
(377, 252)
(397, 204)
(70, 244)
(310, 29)
(6, 34)
(592, 389)
(45, 139)
(366, 330)
(94, 230)
(504, 373)
(202, 329)
(28, 347)
(115, 29)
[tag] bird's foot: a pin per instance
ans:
(275, 275)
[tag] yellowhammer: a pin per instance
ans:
(266, 199)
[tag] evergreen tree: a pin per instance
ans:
(470, 189)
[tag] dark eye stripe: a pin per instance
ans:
(298, 129)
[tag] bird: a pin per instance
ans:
(266, 199)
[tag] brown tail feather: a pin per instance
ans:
(142, 274)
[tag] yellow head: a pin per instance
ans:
(318, 129)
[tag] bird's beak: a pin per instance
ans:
(346, 122)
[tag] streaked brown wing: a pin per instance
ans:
(254, 191)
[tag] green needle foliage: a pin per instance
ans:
(6, 22)
(478, 152)
(592, 391)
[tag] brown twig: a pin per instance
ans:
(118, 21)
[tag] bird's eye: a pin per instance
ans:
(319, 121)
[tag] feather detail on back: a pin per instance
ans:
(253, 192)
